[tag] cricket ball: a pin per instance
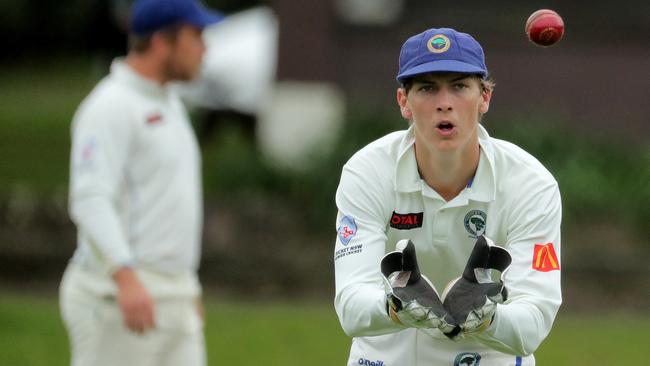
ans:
(545, 27)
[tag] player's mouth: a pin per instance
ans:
(445, 128)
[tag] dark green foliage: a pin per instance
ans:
(599, 179)
(233, 166)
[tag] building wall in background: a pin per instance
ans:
(593, 78)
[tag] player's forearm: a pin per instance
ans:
(98, 222)
(362, 311)
(519, 328)
(535, 295)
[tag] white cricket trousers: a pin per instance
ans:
(98, 336)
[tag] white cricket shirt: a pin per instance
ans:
(381, 199)
(135, 184)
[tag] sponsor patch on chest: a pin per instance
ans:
(406, 221)
(154, 118)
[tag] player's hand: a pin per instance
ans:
(472, 298)
(200, 309)
(136, 305)
(411, 298)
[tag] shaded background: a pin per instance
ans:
(580, 107)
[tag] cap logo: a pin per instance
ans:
(438, 43)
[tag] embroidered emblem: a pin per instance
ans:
(544, 258)
(467, 359)
(438, 43)
(475, 222)
(347, 229)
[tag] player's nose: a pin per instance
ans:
(443, 101)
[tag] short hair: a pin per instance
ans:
(488, 83)
(141, 42)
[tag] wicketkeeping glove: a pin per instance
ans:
(411, 298)
(472, 298)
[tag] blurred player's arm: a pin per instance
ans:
(360, 300)
(134, 300)
(534, 294)
(101, 138)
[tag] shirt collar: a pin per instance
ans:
(407, 176)
(125, 73)
(482, 187)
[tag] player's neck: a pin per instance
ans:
(448, 173)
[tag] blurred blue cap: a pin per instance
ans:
(148, 16)
(441, 50)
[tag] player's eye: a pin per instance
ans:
(427, 88)
(461, 86)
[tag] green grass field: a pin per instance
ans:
(273, 333)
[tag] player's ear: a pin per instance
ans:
(484, 104)
(160, 42)
(402, 102)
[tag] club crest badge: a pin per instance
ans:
(347, 229)
(438, 43)
(467, 359)
(475, 222)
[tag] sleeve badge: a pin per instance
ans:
(347, 229)
(544, 258)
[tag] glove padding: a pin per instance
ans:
(472, 298)
(412, 299)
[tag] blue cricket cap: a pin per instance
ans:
(148, 16)
(441, 50)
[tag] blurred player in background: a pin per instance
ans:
(131, 294)
(446, 185)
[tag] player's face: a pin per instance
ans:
(445, 109)
(185, 54)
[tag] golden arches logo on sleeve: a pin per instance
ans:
(544, 258)
(438, 43)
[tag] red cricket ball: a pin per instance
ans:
(545, 27)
